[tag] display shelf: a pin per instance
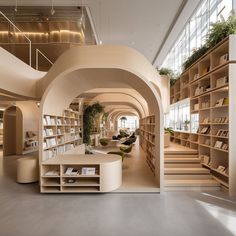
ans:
(147, 140)
(212, 90)
(61, 133)
(78, 173)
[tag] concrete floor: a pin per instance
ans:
(25, 212)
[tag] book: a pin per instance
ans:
(88, 171)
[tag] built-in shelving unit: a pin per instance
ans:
(211, 86)
(181, 89)
(79, 173)
(55, 179)
(147, 140)
(186, 139)
(61, 133)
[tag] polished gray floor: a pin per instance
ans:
(25, 212)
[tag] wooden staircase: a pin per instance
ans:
(183, 170)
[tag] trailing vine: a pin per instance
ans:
(88, 119)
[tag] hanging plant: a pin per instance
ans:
(88, 120)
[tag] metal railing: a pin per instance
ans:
(38, 52)
(20, 32)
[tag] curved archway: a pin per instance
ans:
(120, 99)
(12, 131)
(108, 70)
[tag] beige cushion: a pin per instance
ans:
(27, 170)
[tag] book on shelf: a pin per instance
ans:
(220, 168)
(44, 121)
(52, 121)
(50, 153)
(224, 58)
(88, 171)
(218, 144)
(51, 142)
(44, 145)
(205, 130)
(59, 121)
(49, 132)
(48, 120)
(52, 173)
(222, 81)
(222, 102)
(205, 159)
(71, 171)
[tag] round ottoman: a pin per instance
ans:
(27, 170)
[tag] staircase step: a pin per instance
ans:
(181, 156)
(182, 165)
(187, 176)
(192, 183)
(182, 159)
(186, 171)
(184, 152)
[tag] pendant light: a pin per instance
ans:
(52, 8)
(16, 5)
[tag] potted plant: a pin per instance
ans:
(186, 125)
(168, 132)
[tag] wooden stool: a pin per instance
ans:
(27, 170)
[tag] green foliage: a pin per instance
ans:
(219, 31)
(169, 130)
(88, 119)
(168, 72)
(105, 116)
(195, 56)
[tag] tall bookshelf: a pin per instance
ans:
(61, 133)
(211, 84)
(147, 140)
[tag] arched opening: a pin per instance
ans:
(84, 70)
(64, 89)
(12, 131)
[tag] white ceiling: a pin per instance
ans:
(141, 24)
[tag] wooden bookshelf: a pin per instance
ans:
(186, 139)
(61, 133)
(106, 177)
(147, 140)
(211, 89)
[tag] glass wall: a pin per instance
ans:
(194, 33)
(179, 116)
(131, 123)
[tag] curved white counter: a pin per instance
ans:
(108, 175)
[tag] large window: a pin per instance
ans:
(194, 33)
(179, 116)
(128, 122)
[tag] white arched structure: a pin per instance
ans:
(84, 68)
(121, 99)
